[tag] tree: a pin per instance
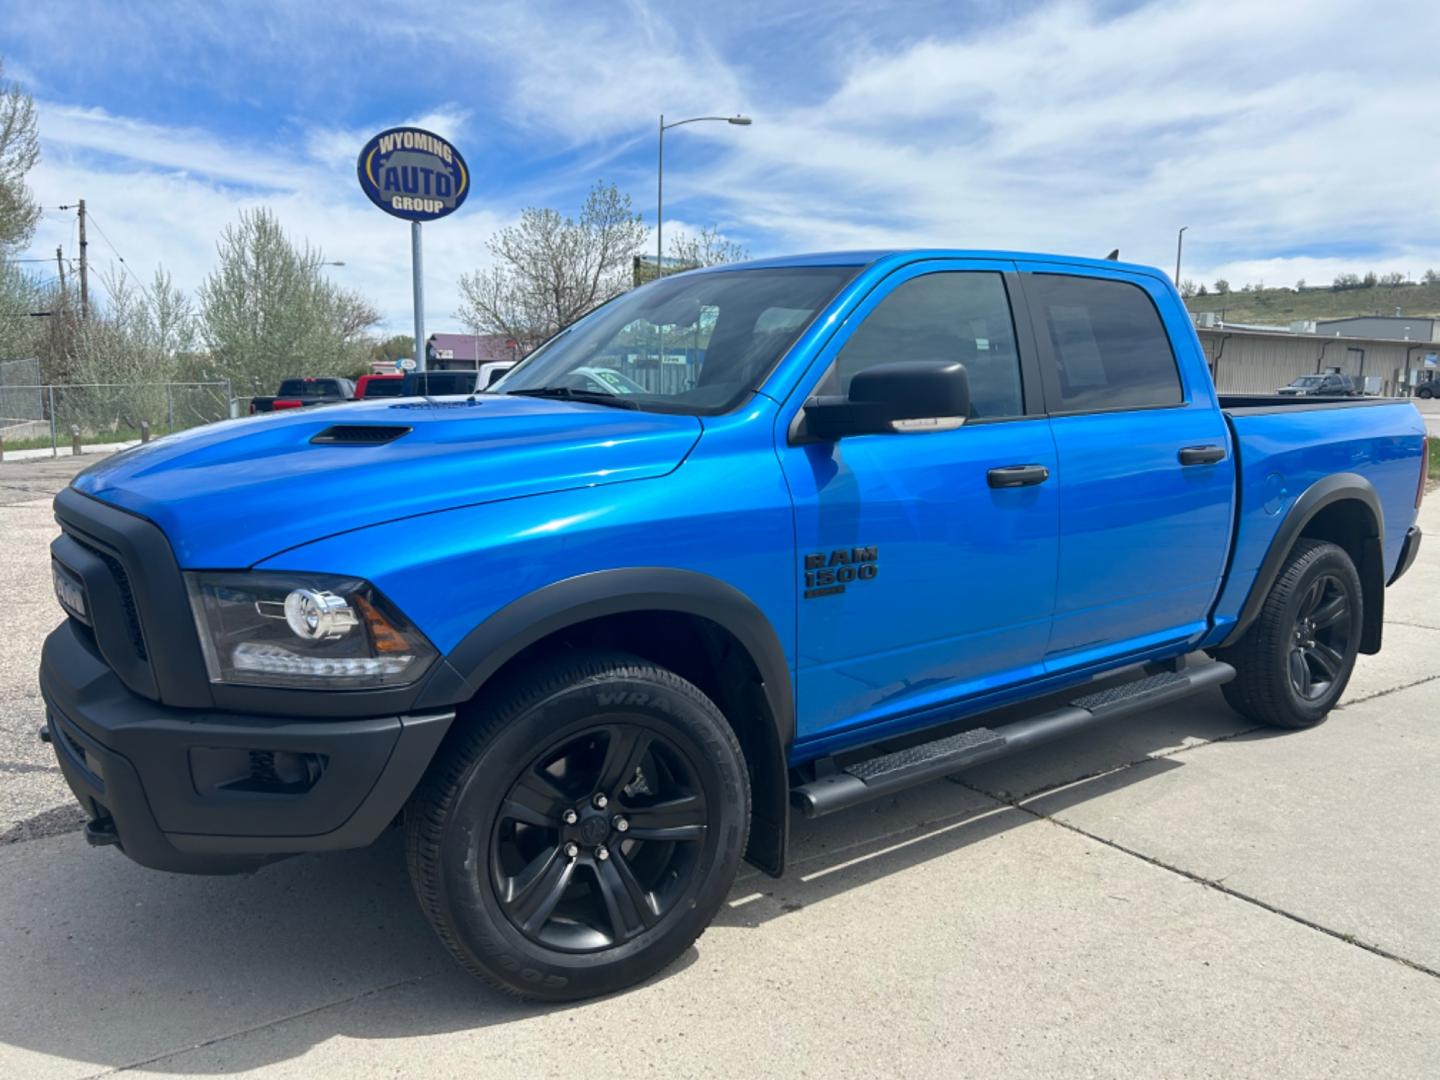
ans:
(270, 313)
(1187, 288)
(1222, 286)
(392, 349)
(1432, 277)
(1345, 281)
(1300, 285)
(550, 270)
(706, 248)
(1369, 279)
(1392, 279)
(19, 151)
(1202, 290)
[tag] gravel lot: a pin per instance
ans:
(1175, 895)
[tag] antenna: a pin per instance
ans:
(1114, 256)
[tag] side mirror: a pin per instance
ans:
(919, 395)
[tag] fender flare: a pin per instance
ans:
(555, 607)
(1324, 492)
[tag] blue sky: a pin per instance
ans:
(1296, 140)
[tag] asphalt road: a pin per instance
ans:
(1175, 895)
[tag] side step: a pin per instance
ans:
(874, 777)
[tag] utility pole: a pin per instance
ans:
(84, 267)
(60, 264)
(79, 208)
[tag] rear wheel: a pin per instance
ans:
(1295, 660)
(583, 830)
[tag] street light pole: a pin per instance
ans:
(739, 121)
(1179, 246)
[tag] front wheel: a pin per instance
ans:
(1295, 660)
(582, 830)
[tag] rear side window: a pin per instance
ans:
(1109, 347)
(951, 315)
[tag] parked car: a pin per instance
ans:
(369, 387)
(1328, 385)
(594, 648)
(301, 393)
(465, 381)
(1428, 390)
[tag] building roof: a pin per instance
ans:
(1291, 335)
(475, 348)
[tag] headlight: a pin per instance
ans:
(303, 630)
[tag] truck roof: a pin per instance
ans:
(870, 257)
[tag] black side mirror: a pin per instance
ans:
(882, 399)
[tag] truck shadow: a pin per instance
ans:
(110, 964)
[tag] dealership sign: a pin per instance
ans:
(413, 174)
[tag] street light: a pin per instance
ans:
(1179, 245)
(738, 121)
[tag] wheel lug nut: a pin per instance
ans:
(602, 853)
(600, 801)
(571, 817)
(571, 850)
(621, 825)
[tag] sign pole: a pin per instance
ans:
(417, 268)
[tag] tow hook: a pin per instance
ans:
(101, 832)
(44, 733)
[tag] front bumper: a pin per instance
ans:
(198, 791)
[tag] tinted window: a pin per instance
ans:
(961, 316)
(384, 387)
(1110, 348)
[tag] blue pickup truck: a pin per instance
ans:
(874, 518)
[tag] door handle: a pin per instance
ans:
(1201, 455)
(1013, 476)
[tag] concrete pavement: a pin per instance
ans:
(1174, 895)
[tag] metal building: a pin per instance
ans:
(1258, 360)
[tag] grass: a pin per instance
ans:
(1282, 306)
(1434, 459)
(122, 435)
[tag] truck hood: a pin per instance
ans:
(231, 494)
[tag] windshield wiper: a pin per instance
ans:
(590, 397)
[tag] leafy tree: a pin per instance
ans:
(1346, 281)
(1369, 279)
(1392, 279)
(1222, 286)
(20, 294)
(392, 349)
(1300, 285)
(1187, 288)
(270, 313)
(1432, 277)
(19, 151)
(1202, 291)
(706, 248)
(551, 269)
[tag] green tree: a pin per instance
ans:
(269, 312)
(392, 349)
(551, 269)
(19, 151)
(1222, 286)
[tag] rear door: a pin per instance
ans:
(924, 580)
(1146, 480)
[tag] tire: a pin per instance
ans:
(541, 919)
(1293, 663)
(1425, 392)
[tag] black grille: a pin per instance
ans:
(360, 434)
(127, 597)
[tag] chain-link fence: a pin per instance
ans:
(37, 415)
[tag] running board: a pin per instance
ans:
(878, 776)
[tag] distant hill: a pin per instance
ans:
(1283, 306)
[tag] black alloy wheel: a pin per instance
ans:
(580, 826)
(598, 838)
(1321, 637)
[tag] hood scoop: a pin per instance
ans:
(360, 434)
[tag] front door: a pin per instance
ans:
(923, 579)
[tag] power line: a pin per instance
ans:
(124, 265)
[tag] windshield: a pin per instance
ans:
(1309, 380)
(696, 344)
